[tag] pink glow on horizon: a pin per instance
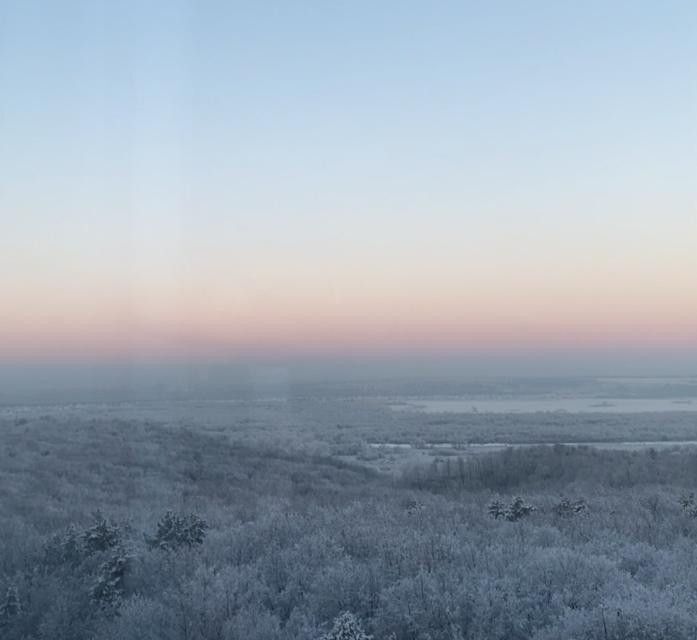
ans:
(367, 309)
(332, 336)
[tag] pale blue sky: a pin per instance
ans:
(145, 144)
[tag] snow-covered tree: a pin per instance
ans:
(109, 587)
(566, 508)
(175, 531)
(688, 504)
(10, 606)
(518, 509)
(346, 627)
(497, 509)
(515, 511)
(102, 535)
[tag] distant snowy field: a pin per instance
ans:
(536, 405)
(620, 395)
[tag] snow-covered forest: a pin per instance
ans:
(143, 528)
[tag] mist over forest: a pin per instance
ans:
(151, 378)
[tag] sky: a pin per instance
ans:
(274, 181)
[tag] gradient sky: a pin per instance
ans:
(277, 179)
